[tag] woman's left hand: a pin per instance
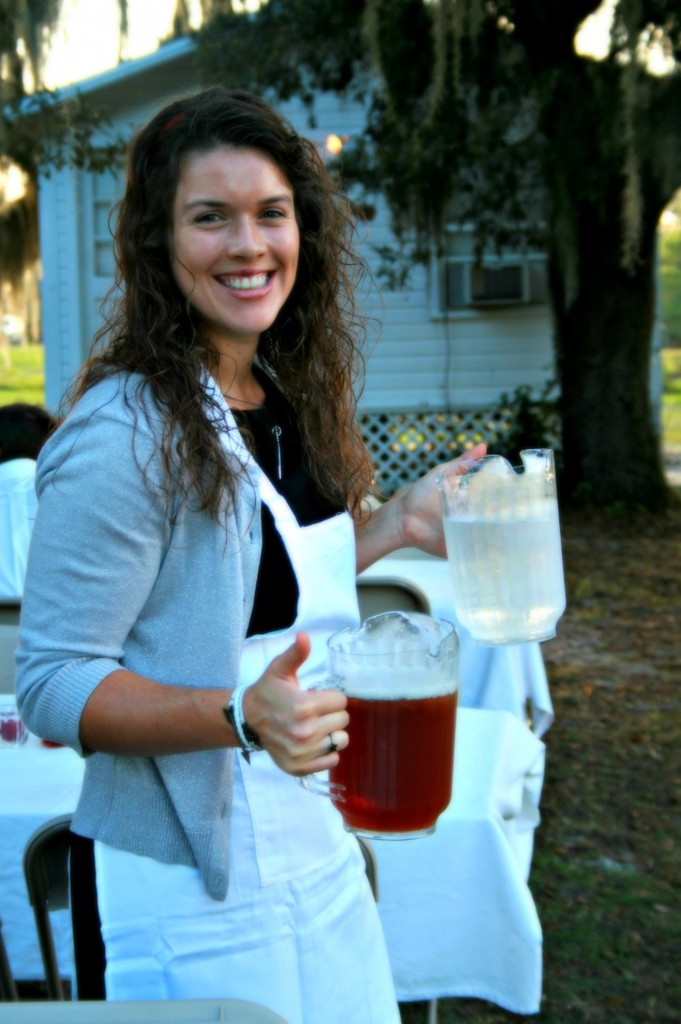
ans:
(421, 509)
(411, 519)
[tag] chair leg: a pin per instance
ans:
(55, 989)
(8, 990)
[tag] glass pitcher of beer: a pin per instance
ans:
(503, 545)
(400, 673)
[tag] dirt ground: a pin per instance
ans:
(605, 873)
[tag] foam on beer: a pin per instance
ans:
(396, 656)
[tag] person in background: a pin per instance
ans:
(202, 518)
(23, 431)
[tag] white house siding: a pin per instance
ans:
(419, 360)
(415, 367)
(424, 360)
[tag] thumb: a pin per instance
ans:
(464, 462)
(290, 660)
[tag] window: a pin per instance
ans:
(501, 279)
(107, 188)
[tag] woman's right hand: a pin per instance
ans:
(294, 725)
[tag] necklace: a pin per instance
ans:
(272, 428)
(233, 398)
(276, 433)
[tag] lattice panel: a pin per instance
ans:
(404, 445)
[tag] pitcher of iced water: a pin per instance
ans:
(503, 545)
(400, 673)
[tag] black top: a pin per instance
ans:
(272, 434)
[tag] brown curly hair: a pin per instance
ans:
(314, 347)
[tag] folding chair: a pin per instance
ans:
(46, 870)
(378, 594)
(8, 990)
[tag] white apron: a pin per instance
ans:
(299, 931)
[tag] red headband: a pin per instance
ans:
(171, 123)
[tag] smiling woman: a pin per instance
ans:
(202, 517)
(235, 246)
(206, 470)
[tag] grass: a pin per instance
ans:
(22, 377)
(671, 399)
(605, 873)
(670, 285)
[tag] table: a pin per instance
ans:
(503, 678)
(456, 909)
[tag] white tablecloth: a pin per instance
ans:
(502, 678)
(458, 915)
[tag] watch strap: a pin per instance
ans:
(248, 738)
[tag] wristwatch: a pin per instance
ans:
(234, 713)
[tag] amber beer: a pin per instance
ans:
(397, 771)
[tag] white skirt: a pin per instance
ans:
(311, 947)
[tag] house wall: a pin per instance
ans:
(417, 358)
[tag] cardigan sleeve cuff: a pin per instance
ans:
(72, 687)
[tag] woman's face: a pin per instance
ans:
(235, 242)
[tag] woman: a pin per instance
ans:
(199, 531)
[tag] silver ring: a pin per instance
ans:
(332, 747)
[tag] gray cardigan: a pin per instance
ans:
(112, 582)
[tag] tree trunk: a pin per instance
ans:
(611, 447)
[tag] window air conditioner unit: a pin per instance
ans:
(503, 283)
(494, 283)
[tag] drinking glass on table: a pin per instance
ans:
(13, 732)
